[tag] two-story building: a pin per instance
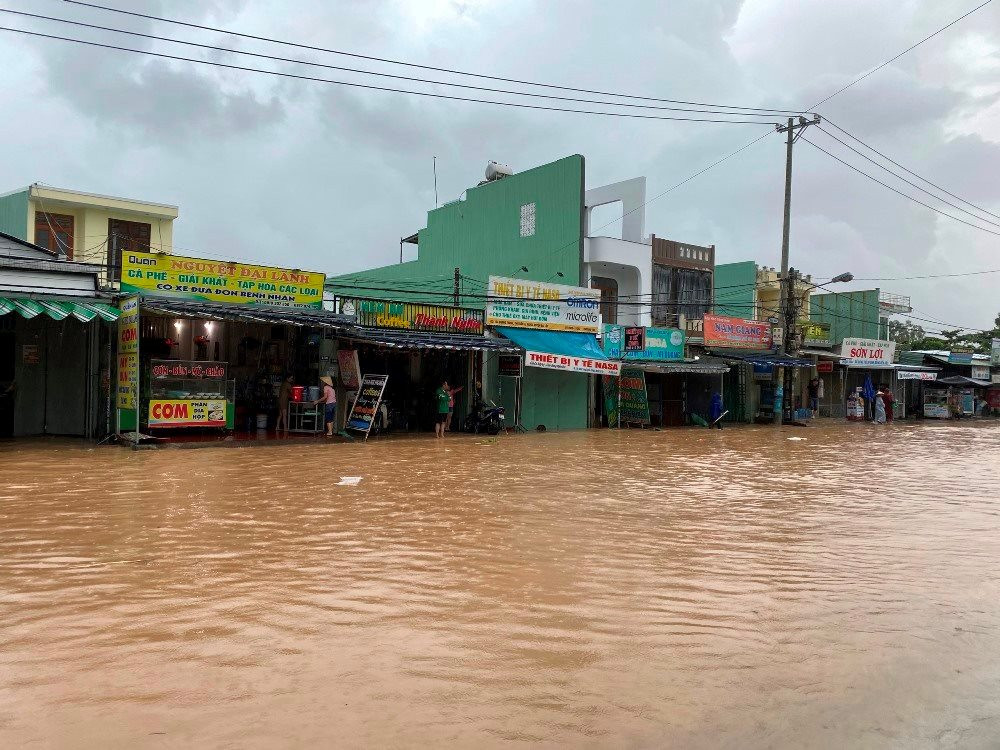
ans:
(86, 227)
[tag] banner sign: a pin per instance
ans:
(161, 369)
(661, 345)
(634, 401)
(350, 369)
(723, 332)
(413, 317)
(824, 365)
(763, 372)
(960, 356)
(815, 333)
(980, 372)
(187, 413)
(861, 352)
(910, 375)
(365, 407)
(128, 353)
(220, 281)
(995, 352)
(517, 303)
(610, 389)
(635, 339)
(572, 364)
(511, 365)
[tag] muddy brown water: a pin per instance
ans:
(686, 588)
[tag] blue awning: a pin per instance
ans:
(771, 360)
(576, 352)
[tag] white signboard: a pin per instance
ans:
(995, 353)
(518, 303)
(909, 375)
(980, 372)
(572, 364)
(871, 352)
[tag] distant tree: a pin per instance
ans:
(906, 334)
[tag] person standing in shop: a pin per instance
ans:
(451, 406)
(887, 400)
(442, 397)
(284, 396)
(814, 396)
(329, 399)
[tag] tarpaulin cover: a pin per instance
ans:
(583, 345)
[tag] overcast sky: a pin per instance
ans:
(320, 176)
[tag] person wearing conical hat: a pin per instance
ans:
(329, 399)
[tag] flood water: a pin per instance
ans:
(685, 588)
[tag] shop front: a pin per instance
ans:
(762, 375)
(417, 347)
(204, 347)
(869, 367)
(658, 385)
(56, 345)
(556, 326)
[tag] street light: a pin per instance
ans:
(842, 278)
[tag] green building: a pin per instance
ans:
(528, 226)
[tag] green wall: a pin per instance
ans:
(735, 289)
(481, 235)
(850, 314)
(14, 214)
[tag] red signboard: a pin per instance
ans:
(635, 339)
(824, 366)
(168, 368)
(723, 332)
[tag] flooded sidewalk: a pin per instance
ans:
(677, 588)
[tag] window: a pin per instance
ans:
(528, 220)
(694, 292)
(54, 232)
(663, 312)
(609, 295)
(125, 237)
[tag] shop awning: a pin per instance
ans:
(561, 350)
(768, 360)
(964, 381)
(702, 366)
(821, 354)
(422, 340)
(294, 316)
(32, 307)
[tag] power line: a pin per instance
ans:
(905, 315)
(893, 59)
(373, 58)
(317, 79)
(909, 171)
(908, 182)
(929, 276)
(899, 192)
(375, 73)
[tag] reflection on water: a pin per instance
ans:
(689, 588)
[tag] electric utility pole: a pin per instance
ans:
(794, 130)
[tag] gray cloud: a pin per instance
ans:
(330, 177)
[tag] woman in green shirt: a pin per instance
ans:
(441, 398)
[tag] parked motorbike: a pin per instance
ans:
(487, 418)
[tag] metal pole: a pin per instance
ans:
(779, 375)
(435, 182)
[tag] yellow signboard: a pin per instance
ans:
(128, 353)
(220, 281)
